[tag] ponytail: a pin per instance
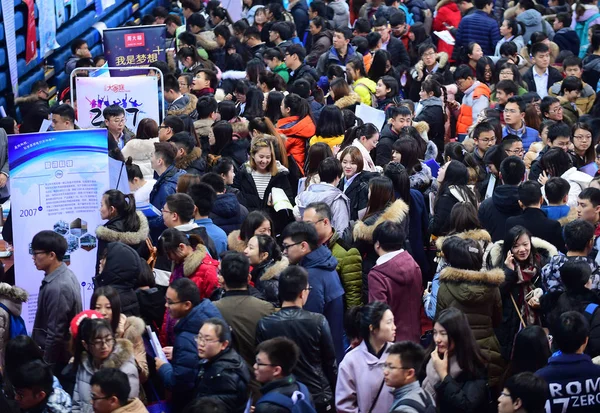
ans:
(125, 207)
(298, 106)
(171, 238)
(367, 130)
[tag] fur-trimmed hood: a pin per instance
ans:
(139, 149)
(203, 126)
(193, 261)
(234, 243)
(494, 259)
(13, 297)
(442, 3)
(186, 160)
(571, 216)
(129, 238)
(397, 212)
(207, 40)
(441, 58)
(352, 99)
(479, 235)
(275, 269)
(493, 277)
(27, 99)
(189, 108)
(422, 127)
(240, 127)
(122, 353)
(131, 328)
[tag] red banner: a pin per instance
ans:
(30, 40)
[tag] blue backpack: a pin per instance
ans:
(298, 403)
(17, 324)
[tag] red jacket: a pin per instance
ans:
(297, 133)
(398, 283)
(449, 14)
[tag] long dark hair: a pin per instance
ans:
(269, 245)
(113, 298)
(466, 350)
(223, 132)
(367, 130)
(512, 235)
(556, 162)
(456, 175)
(273, 111)
(254, 104)
(298, 106)
(397, 173)
(125, 207)
(316, 154)
(377, 70)
(531, 350)
(463, 217)
(331, 122)
(407, 147)
(381, 196)
(370, 315)
(171, 238)
(253, 220)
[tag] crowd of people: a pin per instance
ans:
(304, 259)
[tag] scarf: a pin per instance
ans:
(433, 378)
(525, 279)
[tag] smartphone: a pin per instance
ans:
(429, 286)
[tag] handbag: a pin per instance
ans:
(377, 396)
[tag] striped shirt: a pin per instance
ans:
(261, 181)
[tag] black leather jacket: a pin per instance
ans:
(316, 367)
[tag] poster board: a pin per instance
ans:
(57, 181)
(134, 46)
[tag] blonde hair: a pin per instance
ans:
(257, 145)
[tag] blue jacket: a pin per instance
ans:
(333, 58)
(327, 294)
(481, 28)
(180, 374)
(417, 7)
(528, 136)
(300, 14)
(572, 379)
(165, 185)
(215, 233)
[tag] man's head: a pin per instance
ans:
(182, 296)
(203, 196)
(63, 117)
(464, 5)
(275, 359)
(464, 78)
(32, 383)
(512, 171)
(514, 112)
(178, 210)
(572, 65)
(382, 27)
(317, 8)
(114, 118)
(530, 195)
(189, 7)
(48, 249)
(571, 88)
(79, 48)
(213, 338)
(579, 236)
(172, 91)
(164, 156)
(110, 390)
(252, 36)
(400, 116)
(214, 180)
(293, 285)
(207, 107)
(299, 240)
(484, 136)
(205, 78)
(196, 22)
(160, 13)
(561, 21)
(403, 364)
(388, 237)
(484, 5)
(279, 32)
(170, 125)
(559, 135)
(398, 24)
(184, 143)
(362, 27)
(319, 214)
(557, 191)
(512, 145)
(235, 268)
(330, 171)
(294, 56)
(523, 392)
(172, 21)
(341, 38)
(588, 205)
(222, 35)
(571, 333)
(505, 89)
(41, 89)
(540, 55)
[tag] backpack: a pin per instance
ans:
(581, 28)
(17, 324)
(425, 399)
(371, 94)
(298, 403)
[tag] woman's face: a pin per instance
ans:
(370, 143)
(263, 229)
(106, 212)
(423, 95)
(103, 307)
(262, 158)
(441, 339)
(101, 346)
(506, 74)
(388, 66)
(349, 167)
(381, 90)
(314, 30)
(442, 172)
(544, 136)
(582, 140)
(187, 62)
(487, 74)
(396, 156)
(260, 17)
(522, 248)
(387, 328)
(476, 54)
(229, 177)
(252, 251)
(183, 86)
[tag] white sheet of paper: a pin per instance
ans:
(491, 186)
(45, 125)
(156, 345)
(371, 115)
(446, 36)
(280, 200)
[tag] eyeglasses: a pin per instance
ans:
(259, 364)
(316, 222)
(505, 394)
(202, 340)
(34, 253)
(511, 111)
(118, 120)
(163, 127)
(583, 137)
(285, 247)
(486, 141)
(166, 211)
(429, 53)
(170, 303)
(515, 151)
(387, 366)
(102, 341)
(556, 110)
(94, 398)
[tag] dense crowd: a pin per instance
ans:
(303, 259)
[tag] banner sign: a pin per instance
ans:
(102, 5)
(57, 182)
(60, 12)
(30, 39)
(134, 46)
(8, 15)
(47, 26)
(136, 95)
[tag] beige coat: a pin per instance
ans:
(132, 328)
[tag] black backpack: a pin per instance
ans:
(427, 405)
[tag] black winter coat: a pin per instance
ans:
(121, 272)
(553, 77)
(227, 212)
(439, 225)
(358, 192)
(286, 386)
(538, 223)
(237, 151)
(383, 150)
(225, 377)
(433, 114)
(494, 211)
(398, 53)
(463, 394)
(316, 367)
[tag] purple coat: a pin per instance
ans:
(359, 378)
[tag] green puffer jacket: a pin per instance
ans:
(349, 268)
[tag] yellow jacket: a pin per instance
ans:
(362, 87)
(336, 140)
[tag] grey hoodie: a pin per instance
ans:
(533, 23)
(341, 17)
(332, 196)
